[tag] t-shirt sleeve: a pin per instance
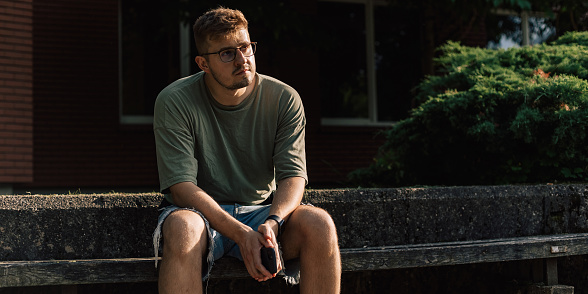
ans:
(174, 143)
(289, 148)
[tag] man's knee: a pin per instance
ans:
(315, 223)
(183, 232)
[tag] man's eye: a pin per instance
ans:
(227, 53)
(246, 50)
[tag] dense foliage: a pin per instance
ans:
(493, 117)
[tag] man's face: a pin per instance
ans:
(235, 74)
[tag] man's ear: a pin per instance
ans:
(202, 63)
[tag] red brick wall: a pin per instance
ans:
(333, 152)
(16, 91)
(79, 141)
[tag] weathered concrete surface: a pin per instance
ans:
(374, 217)
(76, 226)
(40, 227)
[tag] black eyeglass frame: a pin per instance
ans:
(253, 48)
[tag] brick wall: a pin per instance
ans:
(334, 152)
(16, 91)
(79, 141)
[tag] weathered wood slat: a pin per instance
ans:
(91, 271)
(466, 252)
(70, 272)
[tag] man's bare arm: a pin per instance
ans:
(187, 194)
(288, 197)
(286, 200)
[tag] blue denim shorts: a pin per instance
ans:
(253, 216)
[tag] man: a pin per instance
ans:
(225, 136)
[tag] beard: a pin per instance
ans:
(236, 85)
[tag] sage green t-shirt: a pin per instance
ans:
(234, 153)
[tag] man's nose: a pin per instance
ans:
(240, 57)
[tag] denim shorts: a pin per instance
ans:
(253, 216)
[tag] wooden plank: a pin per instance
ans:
(72, 272)
(466, 252)
(551, 271)
(91, 271)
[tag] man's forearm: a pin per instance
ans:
(286, 199)
(249, 241)
(288, 196)
(187, 194)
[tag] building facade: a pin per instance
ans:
(78, 79)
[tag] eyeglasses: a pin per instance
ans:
(228, 55)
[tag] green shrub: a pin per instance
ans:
(493, 117)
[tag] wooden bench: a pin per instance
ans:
(544, 249)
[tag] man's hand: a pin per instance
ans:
(250, 247)
(267, 231)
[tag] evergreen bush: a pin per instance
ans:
(493, 117)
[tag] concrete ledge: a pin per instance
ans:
(379, 217)
(42, 227)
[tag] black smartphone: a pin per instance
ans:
(268, 259)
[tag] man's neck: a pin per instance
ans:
(226, 96)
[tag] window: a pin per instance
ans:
(154, 51)
(343, 63)
(520, 29)
(359, 64)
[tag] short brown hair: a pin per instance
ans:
(216, 23)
